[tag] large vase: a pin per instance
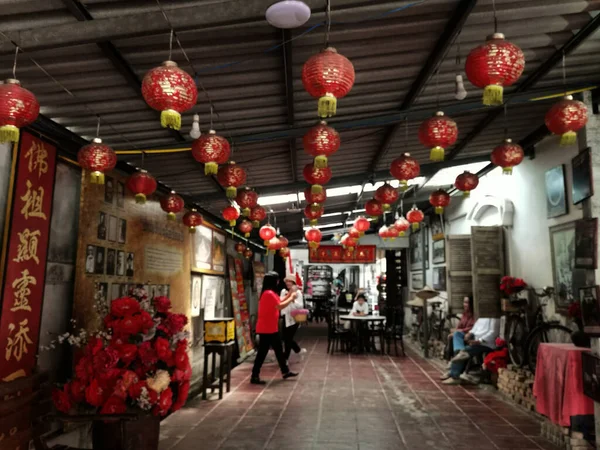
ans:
(138, 434)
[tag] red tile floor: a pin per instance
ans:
(351, 402)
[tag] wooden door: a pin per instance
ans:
(487, 253)
(460, 278)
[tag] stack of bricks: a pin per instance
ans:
(436, 348)
(563, 438)
(517, 384)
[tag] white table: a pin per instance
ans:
(360, 320)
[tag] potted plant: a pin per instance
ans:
(510, 287)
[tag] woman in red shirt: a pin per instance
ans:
(456, 337)
(267, 327)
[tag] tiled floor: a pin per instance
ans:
(351, 402)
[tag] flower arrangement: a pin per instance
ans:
(511, 285)
(574, 312)
(139, 360)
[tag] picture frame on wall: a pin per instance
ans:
(99, 266)
(562, 251)
(90, 259)
(101, 231)
(438, 249)
(120, 194)
(590, 309)
(109, 190)
(590, 368)
(112, 228)
(437, 228)
(581, 169)
(202, 245)
(556, 192)
(121, 263)
(416, 281)
(218, 252)
(111, 261)
(438, 278)
(586, 243)
(416, 251)
(122, 231)
(196, 295)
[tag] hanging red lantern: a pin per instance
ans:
(172, 204)
(315, 200)
(350, 242)
(466, 182)
(274, 244)
(245, 227)
(328, 76)
(402, 225)
(374, 208)
(170, 90)
(246, 199)
(211, 150)
(386, 195)
(316, 177)
(507, 155)
(405, 168)
(18, 108)
(439, 199)
(362, 224)
(248, 253)
(343, 240)
(266, 233)
(354, 233)
(142, 184)
(284, 252)
(493, 66)
(438, 133)
(284, 241)
(192, 219)
(320, 142)
(415, 216)
(257, 215)
(231, 214)
(566, 118)
(240, 248)
(313, 236)
(231, 177)
(393, 232)
(313, 214)
(96, 158)
(383, 232)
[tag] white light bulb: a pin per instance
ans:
(461, 92)
(195, 131)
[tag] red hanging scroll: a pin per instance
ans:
(336, 254)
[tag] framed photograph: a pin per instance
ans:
(416, 281)
(123, 290)
(556, 192)
(111, 261)
(210, 295)
(437, 228)
(439, 278)
(416, 250)
(112, 228)
(90, 259)
(99, 266)
(562, 248)
(439, 251)
(120, 194)
(590, 369)
(581, 168)
(101, 234)
(129, 265)
(109, 190)
(218, 252)
(586, 243)
(167, 290)
(121, 263)
(101, 293)
(115, 291)
(122, 231)
(590, 309)
(202, 249)
(196, 296)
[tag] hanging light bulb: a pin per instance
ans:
(195, 131)
(461, 92)
(288, 14)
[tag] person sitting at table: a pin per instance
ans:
(359, 308)
(456, 339)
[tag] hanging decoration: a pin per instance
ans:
(248, 253)
(320, 142)
(315, 201)
(402, 225)
(507, 155)
(192, 219)
(438, 133)
(405, 168)
(240, 248)
(313, 214)
(386, 195)
(393, 232)
(354, 233)
(170, 90)
(284, 252)
(350, 243)
(439, 199)
(415, 216)
(257, 215)
(231, 176)
(245, 227)
(316, 177)
(266, 233)
(374, 209)
(383, 232)
(231, 215)
(466, 182)
(142, 184)
(328, 76)
(313, 236)
(97, 158)
(211, 150)
(246, 199)
(565, 118)
(284, 241)
(274, 245)
(18, 108)
(172, 204)
(343, 240)
(362, 224)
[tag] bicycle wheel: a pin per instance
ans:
(450, 323)
(517, 335)
(545, 333)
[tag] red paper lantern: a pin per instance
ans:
(246, 199)
(402, 225)
(313, 236)
(466, 182)
(245, 227)
(374, 208)
(231, 177)
(316, 177)
(393, 232)
(386, 195)
(257, 215)
(493, 66)
(439, 199)
(415, 216)
(350, 242)
(507, 155)
(284, 241)
(315, 200)
(96, 158)
(362, 224)
(566, 118)
(142, 184)
(405, 168)
(284, 252)
(211, 150)
(320, 142)
(438, 133)
(328, 76)
(172, 204)
(354, 233)
(248, 253)
(192, 219)
(171, 91)
(18, 108)
(313, 214)
(240, 248)
(231, 215)
(266, 233)
(383, 232)
(274, 244)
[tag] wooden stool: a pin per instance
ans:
(225, 352)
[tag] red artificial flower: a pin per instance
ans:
(181, 356)
(84, 369)
(163, 349)
(162, 304)
(511, 285)
(182, 374)
(173, 324)
(127, 326)
(182, 395)
(125, 306)
(147, 354)
(114, 405)
(127, 353)
(108, 379)
(77, 390)
(94, 394)
(106, 359)
(128, 378)
(94, 346)
(146, 321)
(135, 390)
(164, 403)
(61, 400)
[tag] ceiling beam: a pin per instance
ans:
(288, 61)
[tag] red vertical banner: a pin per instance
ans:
(23, 288)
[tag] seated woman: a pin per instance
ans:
(359, 308)
(456, 339)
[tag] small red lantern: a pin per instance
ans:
(313, 214)
(245, 227)
(171, 91)
(374, 208)
(18, 108)
(284, 241)
(415, 216)
(343, 240)
(240, 248)
(350, 242)
(274, 244)
(172, 204)
(438, 133)
(493, 66)
(211, 150)
(142, 184)
(246, 199)
(328, 76)
(315, 200)
(405, 168)
(354, 233)
(97, 158)
(383, 232)
(231, 177)
(316, 177)
(257, 215)
(393, 232)
(321, 141)
(231, 214)
(313, 236)
(248, 253)
(386, 195)
(192, 219)
(566, 118)
(266, 233)
(284, 252)
(362, 225)
(466, 182)
(439, 199)
(402, 225)
(507, 155)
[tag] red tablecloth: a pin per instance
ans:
(558, 386)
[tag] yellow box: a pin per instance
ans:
(219, 329)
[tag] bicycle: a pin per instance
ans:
(440, 323)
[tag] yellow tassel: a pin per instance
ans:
(316, 189)
(375, 219)
(97, 178)
(211, 168)
(569, 138)
(321, 162)
(140, 199)
(403, 186)
(313, 244)
(439, 210)
(266, 243)
(246, 212)
(171, 216)
(9, 133)
(401, 233)
(232, 223)
(247, 235)
(231, 192)
(192, 230)
(415, 226)
(315, 207)
(466, 194)
(437, 154)
(255, 223)
(492, 95)
(313, 222)
(170, 118)
(327, 106)
(386, 207)
(507, 171)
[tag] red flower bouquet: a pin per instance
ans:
(139, 360)
(511, 285)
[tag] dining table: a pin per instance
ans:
(359, 323)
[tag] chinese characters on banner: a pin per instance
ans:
(23, 288)
(243, 338)
(337, 254)
(244, 313)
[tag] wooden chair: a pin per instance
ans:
(337, 335)
(394, 331)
